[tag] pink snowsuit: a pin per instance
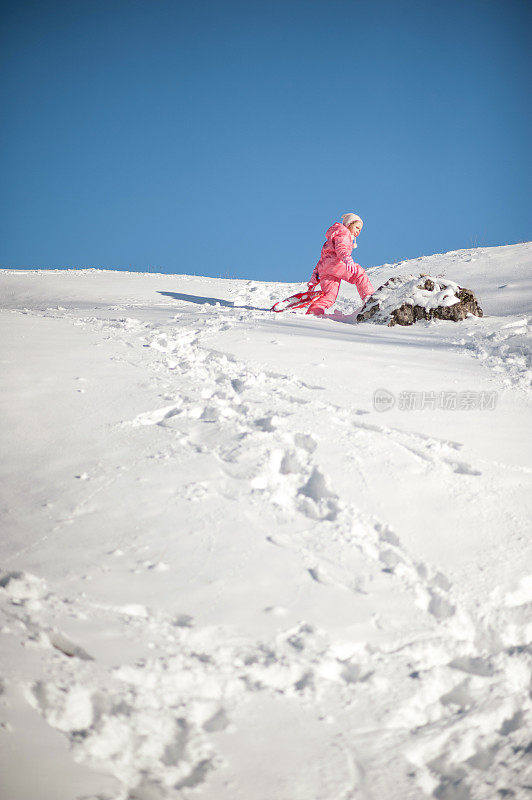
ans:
(335, 265)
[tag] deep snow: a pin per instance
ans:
(227, 573)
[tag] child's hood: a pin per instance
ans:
(338, 229)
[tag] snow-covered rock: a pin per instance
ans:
(405, 299)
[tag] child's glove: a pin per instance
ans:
(311, 285)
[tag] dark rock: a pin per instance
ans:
(404, 300)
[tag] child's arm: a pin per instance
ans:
(343, 244)
(314, 278)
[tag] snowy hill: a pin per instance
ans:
(248, 556)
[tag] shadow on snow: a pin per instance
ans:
(209, 301)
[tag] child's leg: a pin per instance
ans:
(330, 288)
(361, 281)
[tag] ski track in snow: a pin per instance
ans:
(447, 698)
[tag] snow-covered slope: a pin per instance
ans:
(258, 556)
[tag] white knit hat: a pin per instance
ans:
(348, 218)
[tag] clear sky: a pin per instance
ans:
(223, 138)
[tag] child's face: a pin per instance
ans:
(356, 227)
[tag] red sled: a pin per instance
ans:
(297, 300)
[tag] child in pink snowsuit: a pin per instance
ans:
(336, 264)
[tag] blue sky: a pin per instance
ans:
(223, 138)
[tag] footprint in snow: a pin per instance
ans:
(318, 501)
(390, 559)
(461, 468)
(305, 442)
(319, 575)
(266, 424)
(23, 586)
(238, 385)
(387, 535)
(290, 463)
(67, 647)
(439, 606)
(473, 665)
